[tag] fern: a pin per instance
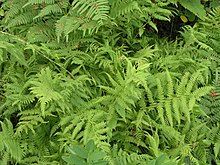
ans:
(92, 82)
(84, 15)
(21, 19)
(123, 7)
(182, 102)
(14, 51)
(44, 89)
(14, 10)
(9, 142)
(97, 11)
(27, 121)
(85, 129)
(49, 9)
(210, 103)
(34, 2)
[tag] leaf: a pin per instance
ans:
(1, 55)
(113, 119)
(79, 151)
(120, 110)
(1, 143)
(2, 12)
(16, 52)
(184, 107)
(217, 148)
(44, 87)
(161, 113)
(181, 87)
(184, 18)
(169, 112)
(215, 4)
(154, 143)
(195, 7)
(96, 156)
(176, 109)
(90, 146)
(141, 31)
(153, 25)
(162, 160)
(74, 160)
(169, 85)
(77, 129)
(49, 9)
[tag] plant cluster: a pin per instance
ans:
(91, 82)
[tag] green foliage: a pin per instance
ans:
(85, 155)
(10, 147)
(91, 82)
(195, 7)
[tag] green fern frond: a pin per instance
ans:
(35, 2)
(15, 51)
(49, 9)
(95, 10)
(86, 128)
(170, 90)
(198, 93)
(176, 110)
(44, 88)
(21, 19)
(169, 112)
(160, 110)
(28, 120)
(191, 82)
(182, 84)
(160, 90)
(120, 8)
(14, 10)
(154, 144)
(87, 16)
(11, 143)
(124, 158)
(184, 108)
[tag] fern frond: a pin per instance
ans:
(14, 10)
(44, 87)
(176, 110)
(120, 8)
(21, 19)
(198, 93)
(184, 108)
(49, 9)
(191, 82)
(169, 112)
(154, 144)
(28, 120)
(11, 143)
(124, 158)
(85, 128)
(182, 84)
(170, 90)
(95, 10)
(35, 2)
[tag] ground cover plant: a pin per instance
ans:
(109, 82)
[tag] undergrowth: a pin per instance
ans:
(107, 82)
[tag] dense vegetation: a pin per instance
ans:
(118, 82)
